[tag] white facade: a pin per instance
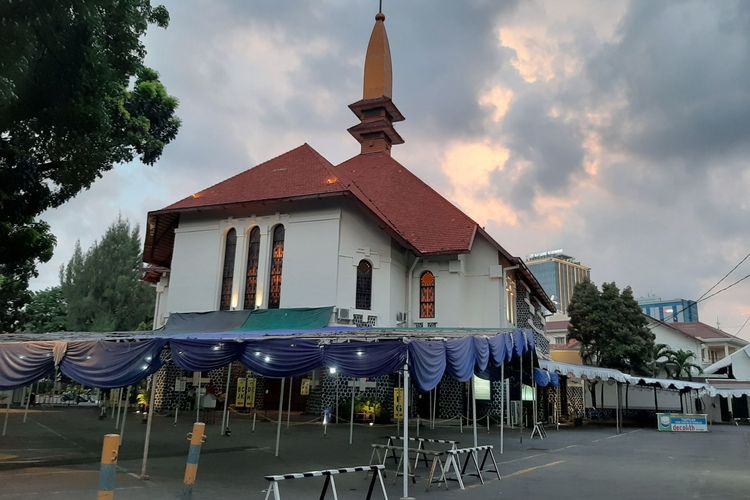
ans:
(322, 249)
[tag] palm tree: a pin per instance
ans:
(681, 363)
(660, 360)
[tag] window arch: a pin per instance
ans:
(251, 278)
(427, 295)
(277, 260)
(363, 297)
(227, 277)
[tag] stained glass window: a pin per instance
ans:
(251, 280)
(277, 259)
(364, 285)
(427, 295)
(230, 246)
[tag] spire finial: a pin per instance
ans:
(378, 62)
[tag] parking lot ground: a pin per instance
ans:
(55, 455)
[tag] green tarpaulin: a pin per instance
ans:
(302, 318)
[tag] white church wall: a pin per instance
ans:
(309, 272)
(482, 301)
(676, 340)
(398, 269)
(360, 239)
(196, 263)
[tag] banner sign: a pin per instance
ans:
(398, 403)
(304, 388)
(678, 422)
(250, 392)
(239, 400)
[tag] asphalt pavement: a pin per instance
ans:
(55, 455)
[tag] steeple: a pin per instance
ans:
(376, 110)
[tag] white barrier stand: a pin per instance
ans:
(328, 474)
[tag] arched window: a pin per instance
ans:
(227, 277)
(251, 281)
(427, 295)
(277, 259)
(364, 285)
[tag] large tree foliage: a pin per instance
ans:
(611, 328)
(75, 100)
(46, 312)
(102, 287)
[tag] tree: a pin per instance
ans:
(611, 328)
(661, 359)
(46, 312)
(102, 286)
(75, 100)
(681, 364)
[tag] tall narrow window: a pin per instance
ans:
(277, 259)
(427, 295)
(364, 285)
(251, 281)
(227, 277)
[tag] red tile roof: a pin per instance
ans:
(421, 216)
(557, 325)
(298, 173)
(571, 345)
(410, 210)
(702, 331)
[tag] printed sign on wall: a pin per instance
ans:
(250, 397)
(239, 400)
(398, 403)
(676, 422)
(304, 388)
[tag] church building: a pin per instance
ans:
(367, 237)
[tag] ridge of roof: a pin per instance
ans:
(694, 328)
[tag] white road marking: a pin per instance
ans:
(532, 469)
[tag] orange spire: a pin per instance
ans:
(378, 71)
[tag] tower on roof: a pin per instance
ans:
(376, 110)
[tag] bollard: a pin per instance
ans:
(108, 467)
(196, 438)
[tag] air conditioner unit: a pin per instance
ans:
(342, 314)
(400, 317)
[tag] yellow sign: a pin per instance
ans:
(250, 396)
(398, 403)
(304, 388)
(239, 400)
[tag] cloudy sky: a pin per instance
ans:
(617, 131)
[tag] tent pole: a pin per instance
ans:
(474, 408)
(148, 428)
(337, 396)
(281, 410)
(224, 420)
(124, 414)
(7, 411)
(520, 372)
(351, 416)
(198, 398)
(398, 419)
(289, 403)
(617, 409)
(28, 401)
(430, 409)
(405, 460)
(119, 407)
(434, 407)
(502, 407)
(656, 401)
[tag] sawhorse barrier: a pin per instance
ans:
(454, 463)
(452, 445)
(328, 474)
(436, 462)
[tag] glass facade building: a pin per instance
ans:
(558, 274)
(670, 311)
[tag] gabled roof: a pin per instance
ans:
(703, 331)
(416, 215)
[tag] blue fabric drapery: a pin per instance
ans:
(543, 378)
(278, 358)
(107, 364)
(460, 358)
(22, 363)
(204, 355)
(365, 359)
(427, 363)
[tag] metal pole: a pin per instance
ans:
(119, 407)
(289, 404)
(281, 410)
(520, 424)
(224, 419)
(434, 408)
(337, 397)
(502, 408)
(108, 467)
(198, 398)
(255, 413)
(124, 414)
(474, 409)
(398, 420)
(28, 401)
(351, 416)
(430, 401)
(406, 429)
(7, 412)
(147, 441)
